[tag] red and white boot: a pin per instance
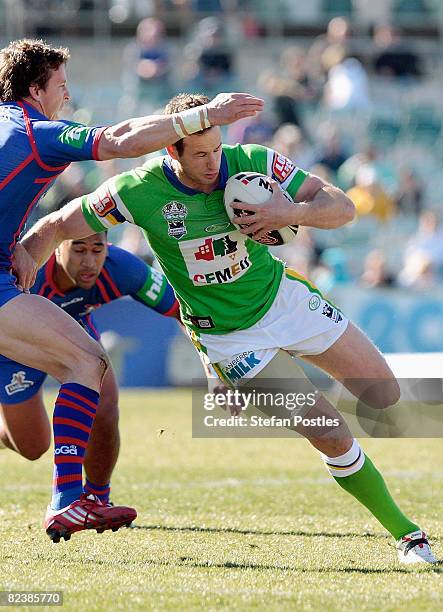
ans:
(88, 512)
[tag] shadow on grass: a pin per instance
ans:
(189, 561)
(311, 534)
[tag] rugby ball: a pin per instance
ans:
(255, 188)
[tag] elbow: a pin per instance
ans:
(345, 213)
(349, 210)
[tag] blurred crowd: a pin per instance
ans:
(328, 110)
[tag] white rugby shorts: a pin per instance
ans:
(300, 321)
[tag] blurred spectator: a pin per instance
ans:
(290, 86)
(299, 253)
(333, 153)
(331, 269)
(207, 6)
(338, 34)
(375, 272)
(348, 170)
(323, 172)
(426, 245)
(347, 85)
(369, 196)
(253, 130)
(394, 57)
(417, 272)
(38, 15)
(210, 59)
(289, 141)
(151, 61)
(369, 157)
(410, 193)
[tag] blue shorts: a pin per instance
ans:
(8, 290)
(19, 382)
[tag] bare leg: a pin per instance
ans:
(356, 362)
(332, 441)
(343, 457)
(37, 333)
(24, 427)
(104, 443)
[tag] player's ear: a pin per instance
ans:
(34, 92)
(172, 151)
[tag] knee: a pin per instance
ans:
(34, 450)
(94, 360)
(332, 447)
(382, 394)
(89, 364)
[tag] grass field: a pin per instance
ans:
(224, 524)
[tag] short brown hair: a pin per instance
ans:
(182, 102)
(27, 62)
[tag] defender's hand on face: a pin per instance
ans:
(278, 212)
(229, 107)
(24, 267)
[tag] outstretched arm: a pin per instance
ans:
(143, 135)
(45, 236)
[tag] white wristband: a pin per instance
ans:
(191, 121)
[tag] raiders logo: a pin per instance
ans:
(175, 214)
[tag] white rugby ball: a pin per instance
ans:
(256, 188)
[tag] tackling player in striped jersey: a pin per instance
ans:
(79, 277)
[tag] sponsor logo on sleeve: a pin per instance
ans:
(18, 383)
(74, 136)
(175, 214)
(282, 167)
(155, 288)
(105, 207)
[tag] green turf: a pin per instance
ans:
(224, 524)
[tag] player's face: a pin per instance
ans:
(53, 97)
(199, 164)
(82, 260)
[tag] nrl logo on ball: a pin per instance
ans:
(175, 214)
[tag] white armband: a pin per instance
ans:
(191, 121)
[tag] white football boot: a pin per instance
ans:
(414, 548)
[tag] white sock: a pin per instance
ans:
(348, 463)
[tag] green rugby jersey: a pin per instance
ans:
(223, 280)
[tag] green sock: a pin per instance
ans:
(368, 486)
